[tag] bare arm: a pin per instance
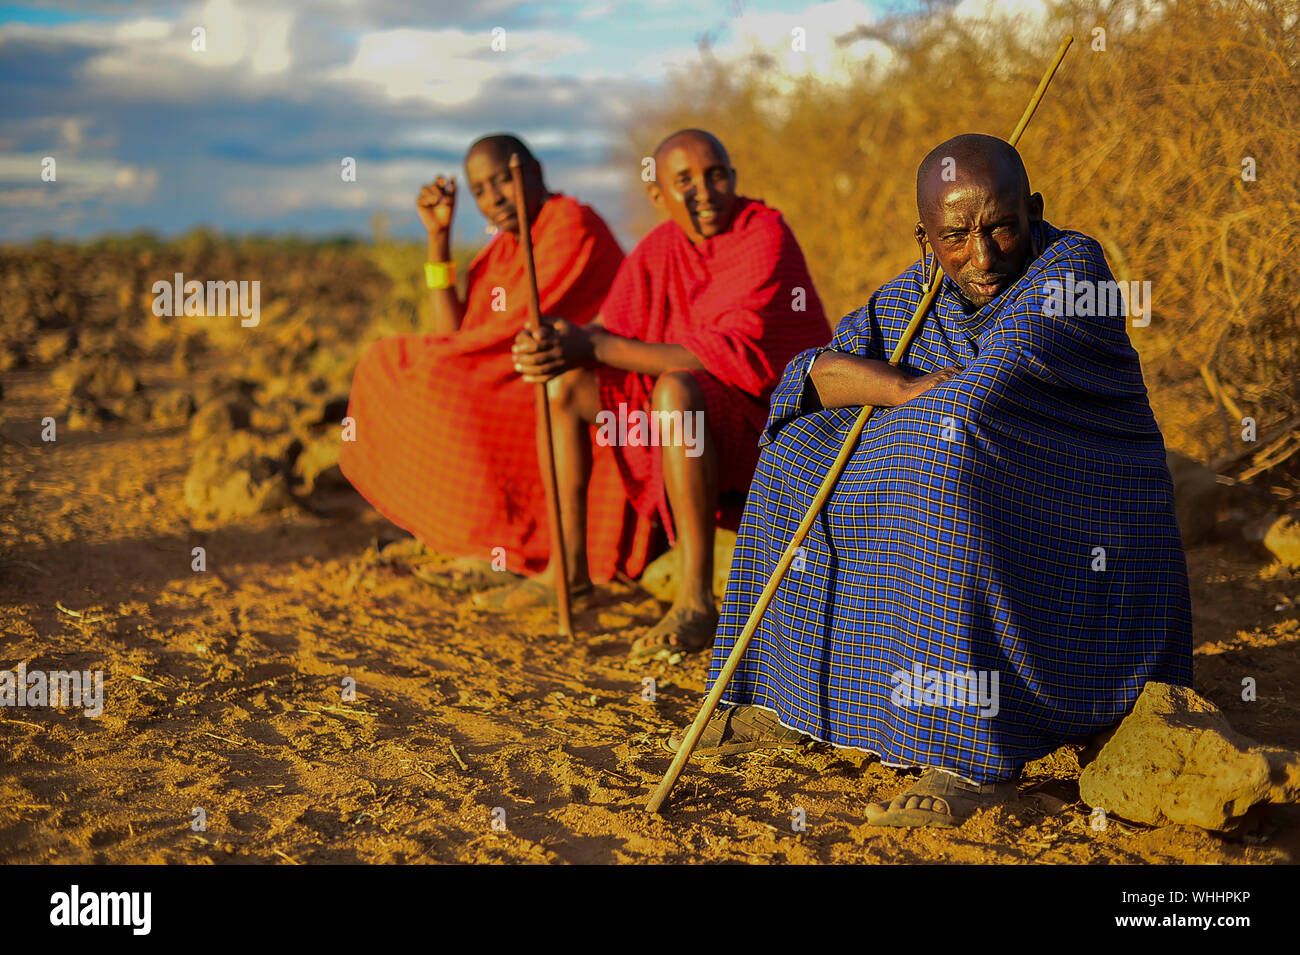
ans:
(845, 381)
(446, 309)
(646, 358)
(562, 345)
(435, 206)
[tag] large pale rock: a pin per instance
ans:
(1175, 760)
(1196, 497)
(661, 577)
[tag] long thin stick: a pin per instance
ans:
(692, 737)
(543, 409)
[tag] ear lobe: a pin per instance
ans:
(1036, 207)
(655, 196)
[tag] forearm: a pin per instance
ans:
(446, 310)
(647, 358)
(844, 381)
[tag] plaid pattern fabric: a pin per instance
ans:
(964, 535)
(445, 428)
(742, 302)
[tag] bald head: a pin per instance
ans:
(502, 146)
(692, 137)
(977, 213)
(971, 159)
(694, 183)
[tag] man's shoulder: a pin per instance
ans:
(1066, 249)
(568, 214)
(756, 219)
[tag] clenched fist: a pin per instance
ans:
(436, 205)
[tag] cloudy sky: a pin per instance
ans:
(248, 134)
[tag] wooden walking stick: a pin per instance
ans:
(692, 737)
(543, 409)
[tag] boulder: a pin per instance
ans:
(661, 577)
(98, 376)
(238, 475)
(172, 408)
(1175, 760)
(318, 465)
(220, 416)
(84, 413)
(52, 346)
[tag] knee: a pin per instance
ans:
(566, 392)
(677, 391)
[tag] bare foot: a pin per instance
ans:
(530, 594)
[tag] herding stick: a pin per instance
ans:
(828, 483)
(543, 408)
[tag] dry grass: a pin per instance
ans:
(1140, 145)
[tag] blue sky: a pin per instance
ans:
(248, 135)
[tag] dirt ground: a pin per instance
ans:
(224, 693)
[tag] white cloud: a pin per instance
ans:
(154, 58)
(815, 49)
(447, 67)
(77, 180)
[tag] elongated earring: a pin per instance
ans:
(925, 262)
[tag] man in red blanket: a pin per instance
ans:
(675, 375)
(445, 443)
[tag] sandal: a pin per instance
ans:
(679, 633)
(951, 801)
(740, 728)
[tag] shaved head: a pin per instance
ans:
(694, 183)
(701, 136)
(965, 159)
(502, 145)
(978, 214)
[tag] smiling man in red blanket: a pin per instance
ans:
(445, 443)
(675, 375)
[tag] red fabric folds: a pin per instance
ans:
(445, 436)
(744, 303)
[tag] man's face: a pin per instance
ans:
(696, 187)
(488, 172)
(980, 232)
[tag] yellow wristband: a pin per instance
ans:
(439, 274)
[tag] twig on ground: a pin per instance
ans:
(459, 761)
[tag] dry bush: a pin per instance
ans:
(1140, 146)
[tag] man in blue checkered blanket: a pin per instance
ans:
(998, 570)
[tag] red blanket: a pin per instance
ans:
(445, 442)
(744, 304)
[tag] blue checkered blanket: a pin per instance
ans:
(998, 570)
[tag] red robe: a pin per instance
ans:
(445, 442)
(744, 304)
